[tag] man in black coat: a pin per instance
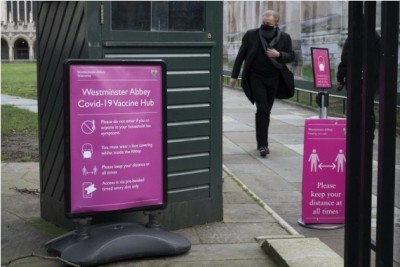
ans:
(265, 76)
(342, 68)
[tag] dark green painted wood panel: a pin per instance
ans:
(188, 112)
(51, 94)
(190, 178)
(160, 44)
(53, 165)
(188, 96)
(186, 61)
(188, 129)
(177, 79)
(190, 60)
(144, 37)
(61, 30)
(188, 146)
(198, 211)
(187, 163)
(188, 194)
(158, 49)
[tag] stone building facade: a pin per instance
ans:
(18, 31)
(310, 24)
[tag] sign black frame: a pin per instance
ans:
(313, 67)
(67, 134)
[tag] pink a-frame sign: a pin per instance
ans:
(115, 144)
(324, 171)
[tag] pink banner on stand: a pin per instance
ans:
(116, 137)
(324, 171)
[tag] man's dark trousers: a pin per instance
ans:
(264, 91)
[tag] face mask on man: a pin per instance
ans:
(267, 31)
(266, 27)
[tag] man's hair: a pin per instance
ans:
(272, 13)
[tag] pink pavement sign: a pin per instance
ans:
(321, 68)
(115, 140)
(324, 171)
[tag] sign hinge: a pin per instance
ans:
(101, 14)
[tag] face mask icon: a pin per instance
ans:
(87, 151)
(321, 63)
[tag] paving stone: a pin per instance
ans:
(246, 213)
(230, 186)
(300, 252)
(247, 232)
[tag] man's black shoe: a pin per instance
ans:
(264, 151)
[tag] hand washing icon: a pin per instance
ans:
(87, 151)
(321, 63)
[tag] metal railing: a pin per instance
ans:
(311, 96)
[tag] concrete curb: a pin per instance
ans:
(299, 252)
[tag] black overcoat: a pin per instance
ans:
(247, 53)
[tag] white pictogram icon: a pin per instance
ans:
(332, 166)
(314, 159)
(87, 151)
(154, 73)
(88, 189)
(321, 63)
(340, 159)
(85, 171)
(88, 127)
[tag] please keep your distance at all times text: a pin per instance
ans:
(326, 199)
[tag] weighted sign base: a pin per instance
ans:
(107, 243)
(319, 226)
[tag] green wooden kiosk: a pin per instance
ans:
(187, 35)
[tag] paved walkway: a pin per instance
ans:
(274, 182)
(19, 102)
(277, 179)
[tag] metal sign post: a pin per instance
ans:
(323, 103)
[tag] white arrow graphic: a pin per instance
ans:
(333, 166)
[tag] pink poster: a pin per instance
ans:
(321, 68)
(116, 137)
(324, 171)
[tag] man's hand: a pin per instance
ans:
(232, 82)
(339, 86)
(273, 53)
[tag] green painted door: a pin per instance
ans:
(187, 35)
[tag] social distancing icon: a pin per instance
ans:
(85, 171)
